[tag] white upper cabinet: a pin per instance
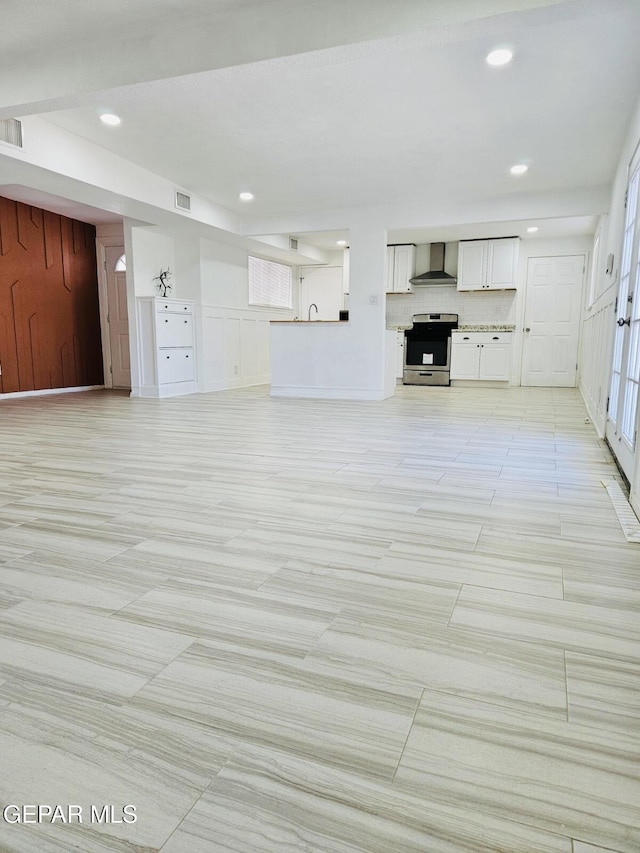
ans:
(488, 264)
(401, 266)
(472, 261)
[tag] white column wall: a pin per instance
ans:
(352, 360)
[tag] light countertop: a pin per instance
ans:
(486, 327)
(311, 322)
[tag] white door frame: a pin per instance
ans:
(627, 296)
(103, 243)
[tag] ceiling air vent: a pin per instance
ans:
(11, 131)
(293, 244)
(183, 201)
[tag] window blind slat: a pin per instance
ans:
(270, 284)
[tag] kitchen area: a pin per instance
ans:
(455, 314)
(451, 306)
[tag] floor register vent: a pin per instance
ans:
(11, 131)
(183, 201)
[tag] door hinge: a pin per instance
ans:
(615, 307)
(635, 436)
(110, 369)
(607, 409)
(626, 199)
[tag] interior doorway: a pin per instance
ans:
(322, 287)
(553, 305)
(117, 317)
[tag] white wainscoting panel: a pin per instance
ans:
(235, 347)
(595, 361)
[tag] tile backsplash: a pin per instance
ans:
(495, 307)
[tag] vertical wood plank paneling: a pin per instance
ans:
(49, 318)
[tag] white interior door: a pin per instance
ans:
(321, 286)
(552, 320)
(622, 411)
(118, 319)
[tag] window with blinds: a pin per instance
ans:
(270, 284)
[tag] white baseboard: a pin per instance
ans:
(161, 392)
(229, 384)
(479, 383)
(12, 395)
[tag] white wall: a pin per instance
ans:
(150, 252)
(354, 360)
(232, 338)
(235, 337)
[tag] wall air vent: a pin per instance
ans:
(293, 244)
(183, 201)
(11, 131)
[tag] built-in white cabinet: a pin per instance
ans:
(400, 355)
(481, 355)
(488, 264)
(401, 266)
(166, 337)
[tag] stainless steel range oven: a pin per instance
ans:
(427, 349)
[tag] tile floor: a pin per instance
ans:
(325, 627)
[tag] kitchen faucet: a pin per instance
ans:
(313, 305)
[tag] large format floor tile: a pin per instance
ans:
(255, 695)
(559, 776)
(297, 626)
(265, 801)
(561, 624)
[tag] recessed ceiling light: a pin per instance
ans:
(246, 196)
(501, 56)
(519, 169)
(110, 119)
(341, 242)
(532, 229)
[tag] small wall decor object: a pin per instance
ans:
(164, 283)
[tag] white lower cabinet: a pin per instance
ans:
(175, 365)
(167, 348)
(481, 355)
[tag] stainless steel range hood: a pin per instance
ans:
(436, 275)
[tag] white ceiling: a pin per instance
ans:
(574, 226)
(416, 117)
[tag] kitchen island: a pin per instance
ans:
(331, 359)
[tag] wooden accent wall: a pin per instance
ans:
(49, 316)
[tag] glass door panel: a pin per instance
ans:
(625, 379)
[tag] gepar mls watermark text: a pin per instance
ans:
(31, 813)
